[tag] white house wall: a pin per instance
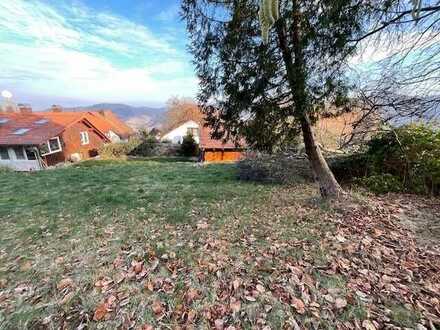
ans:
(19, 164)
(177, 134)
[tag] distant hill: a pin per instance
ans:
(136, 117)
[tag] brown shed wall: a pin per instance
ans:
(216, 156)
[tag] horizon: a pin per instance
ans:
(82, 52)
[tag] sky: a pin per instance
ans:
(83, 52)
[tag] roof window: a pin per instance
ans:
(21, 131)
(41, 121)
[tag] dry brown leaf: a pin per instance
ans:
(219, 324)
(100, 312)
(137, 266)
(298, 305)
(260, 288)
(157, 307)
(191, 295)
(236, 284)
(202, 225)
(368, 325)
(65, 283)
(145, 327)
(340, 303)
(191, 315)
(235, 305)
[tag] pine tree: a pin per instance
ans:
(278, 85)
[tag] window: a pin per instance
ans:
(19, 154)
(84, 138)
(3, 120)
(30, 153)
(194, 131)
(50, 147)
(21, 131)
(4, 155)
(41, 121)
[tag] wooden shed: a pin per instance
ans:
(218, 151)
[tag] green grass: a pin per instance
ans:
(200, 226)
(166, 189)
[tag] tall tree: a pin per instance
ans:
(180, 110)
(284, 82)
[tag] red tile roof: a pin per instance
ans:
(37, 134)
(117, 125)
(207, 142)
(103, 120)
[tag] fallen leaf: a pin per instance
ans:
(298, 305)
(191, 295)
(191, 316)
(236, 284)
(368, 325)
(65, 283)
(260, 288)
(340, 303)
(235, 305)
(202, 225)
(145, 327)
(137, 266)
(218, 324)
(157, 308)
(100, 312)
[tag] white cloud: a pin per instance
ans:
(72, 53)
(169, 14)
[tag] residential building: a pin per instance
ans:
(211, 150)
(35, 140)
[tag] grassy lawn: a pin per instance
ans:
(156, 244)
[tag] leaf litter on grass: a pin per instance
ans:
(287, 263)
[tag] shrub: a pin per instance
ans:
(146, 148)
(404, 159)
(285, 168)
(411, 153)
(382, 183)
(118, 149)
(189, 147)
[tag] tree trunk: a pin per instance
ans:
(296, 75)
(328, 186)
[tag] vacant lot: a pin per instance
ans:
(156, 244)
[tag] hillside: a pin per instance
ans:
(136, 117)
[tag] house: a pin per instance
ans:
(177, 134)
(105, 120)
(211, 150)
(33, 141)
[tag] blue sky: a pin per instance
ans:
(89, 51)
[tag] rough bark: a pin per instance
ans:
(296, 74)
(328, 186)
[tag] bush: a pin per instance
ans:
(382, 183)
(189, 147)
(404, 159)
(118, 149)
(146, 148)
(285, 168)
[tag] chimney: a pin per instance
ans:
(24, 108)
(104, 113)
(56, 108)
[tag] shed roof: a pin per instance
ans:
(207, 142)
